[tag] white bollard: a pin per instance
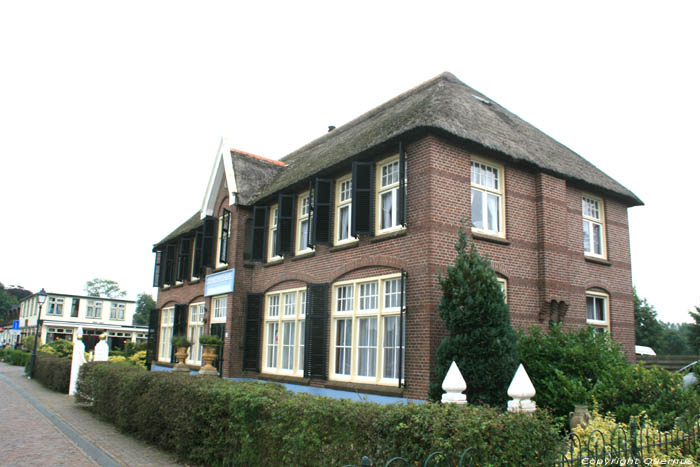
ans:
(78, 360)
(102, 349)
(521, 391)
(454, 385)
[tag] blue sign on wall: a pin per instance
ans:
(219, 283)
(15, 325)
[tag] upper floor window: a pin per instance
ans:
(303, 225)
(593, 226)
(487, 198)
(116, 311)
(272, 238)
(75, 308)
(285, 331)
(55, 306)
(343, 210)
(388, 176)
(94, 309)
(223, 238)
(597, 310)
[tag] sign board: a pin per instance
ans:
(15, 325)
(219, 283)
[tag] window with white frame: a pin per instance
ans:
(195, 326)
(55, 306)
(223, 231)
(388, 175)
(487, 198)
(272, 235)
(303, 224)
(116, 311)
(367, 330)
(504, 287)
(343, 210)
(94, 309)
(285, 314)
(593, 226)
(166, 333)
(219, 304)
(597, 310)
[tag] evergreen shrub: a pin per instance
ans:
(211, 421)
(60, 348)
(52, 371)
(15, 357)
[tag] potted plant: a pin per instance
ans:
(181, 344)
(211, 345)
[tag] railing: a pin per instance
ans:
(636, 446)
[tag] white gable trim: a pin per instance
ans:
(223, 167)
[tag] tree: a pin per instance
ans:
(103, 288)
(647, 328)
(144, 305)
(693, 333)
(6, 303)
(481, 341)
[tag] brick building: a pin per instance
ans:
(320, 270)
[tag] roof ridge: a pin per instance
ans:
(255, 156)
(446, 75)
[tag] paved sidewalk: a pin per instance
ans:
(41, 427)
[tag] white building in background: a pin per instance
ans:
(62, 314)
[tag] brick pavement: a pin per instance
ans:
(41, 427)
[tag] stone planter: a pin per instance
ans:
(181, 355)
(580, 416)
(208, 356)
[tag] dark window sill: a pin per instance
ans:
(273, 263)
(344, 246)
(304, 255)
(389, 236)
(490, 238)
(601, 261)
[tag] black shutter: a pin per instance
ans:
(362, 219)
(310, 235)
(259, 232)
(401, 201)
(197, 253)
(208, 242)
(316, 339)
(170, 256)
(183, 259)
(157, 269)
(179, 327)
(225, 227)
(402, 315)
(323, 206)
(251, 338)
(152, 343)
(285, 225)
(219, 329)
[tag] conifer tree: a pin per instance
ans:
(481, 341)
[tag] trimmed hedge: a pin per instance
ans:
(211, 421)
(52, 371)
(15, 357)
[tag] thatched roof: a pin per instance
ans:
(446, 105)
(252, 174)
(190, 224)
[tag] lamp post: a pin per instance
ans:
(41, 297)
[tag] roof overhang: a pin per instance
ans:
(223, 168)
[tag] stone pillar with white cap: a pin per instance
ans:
(102, 349)
(78, 360)
(521, 391)
(454, 386)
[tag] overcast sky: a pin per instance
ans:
(111, 113)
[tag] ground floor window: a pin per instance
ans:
(166, 333)
(368, 330)
(194, 331)
(597, 310)
(284, 332)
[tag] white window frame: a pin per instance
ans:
(117, 311)
(362, 307)
(55, 306)
(590, 220)
(382, 187)
(94, 309)
(303, 210)
(167, 318)
(272, 235)
(486, 190)
(603, 324)
(283, 310)
(341, 204)
(218, 239)
(504, 287)
(219, 308)
(195, 328)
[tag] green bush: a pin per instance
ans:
(133, 347)
(15, 357)
(60, 348)
(52, 371)
(27, 343)
(211, 421)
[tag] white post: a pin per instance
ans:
(78, 360)
(454, 385)
(521, 390)
(102, 349)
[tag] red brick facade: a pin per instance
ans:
(541, 257)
